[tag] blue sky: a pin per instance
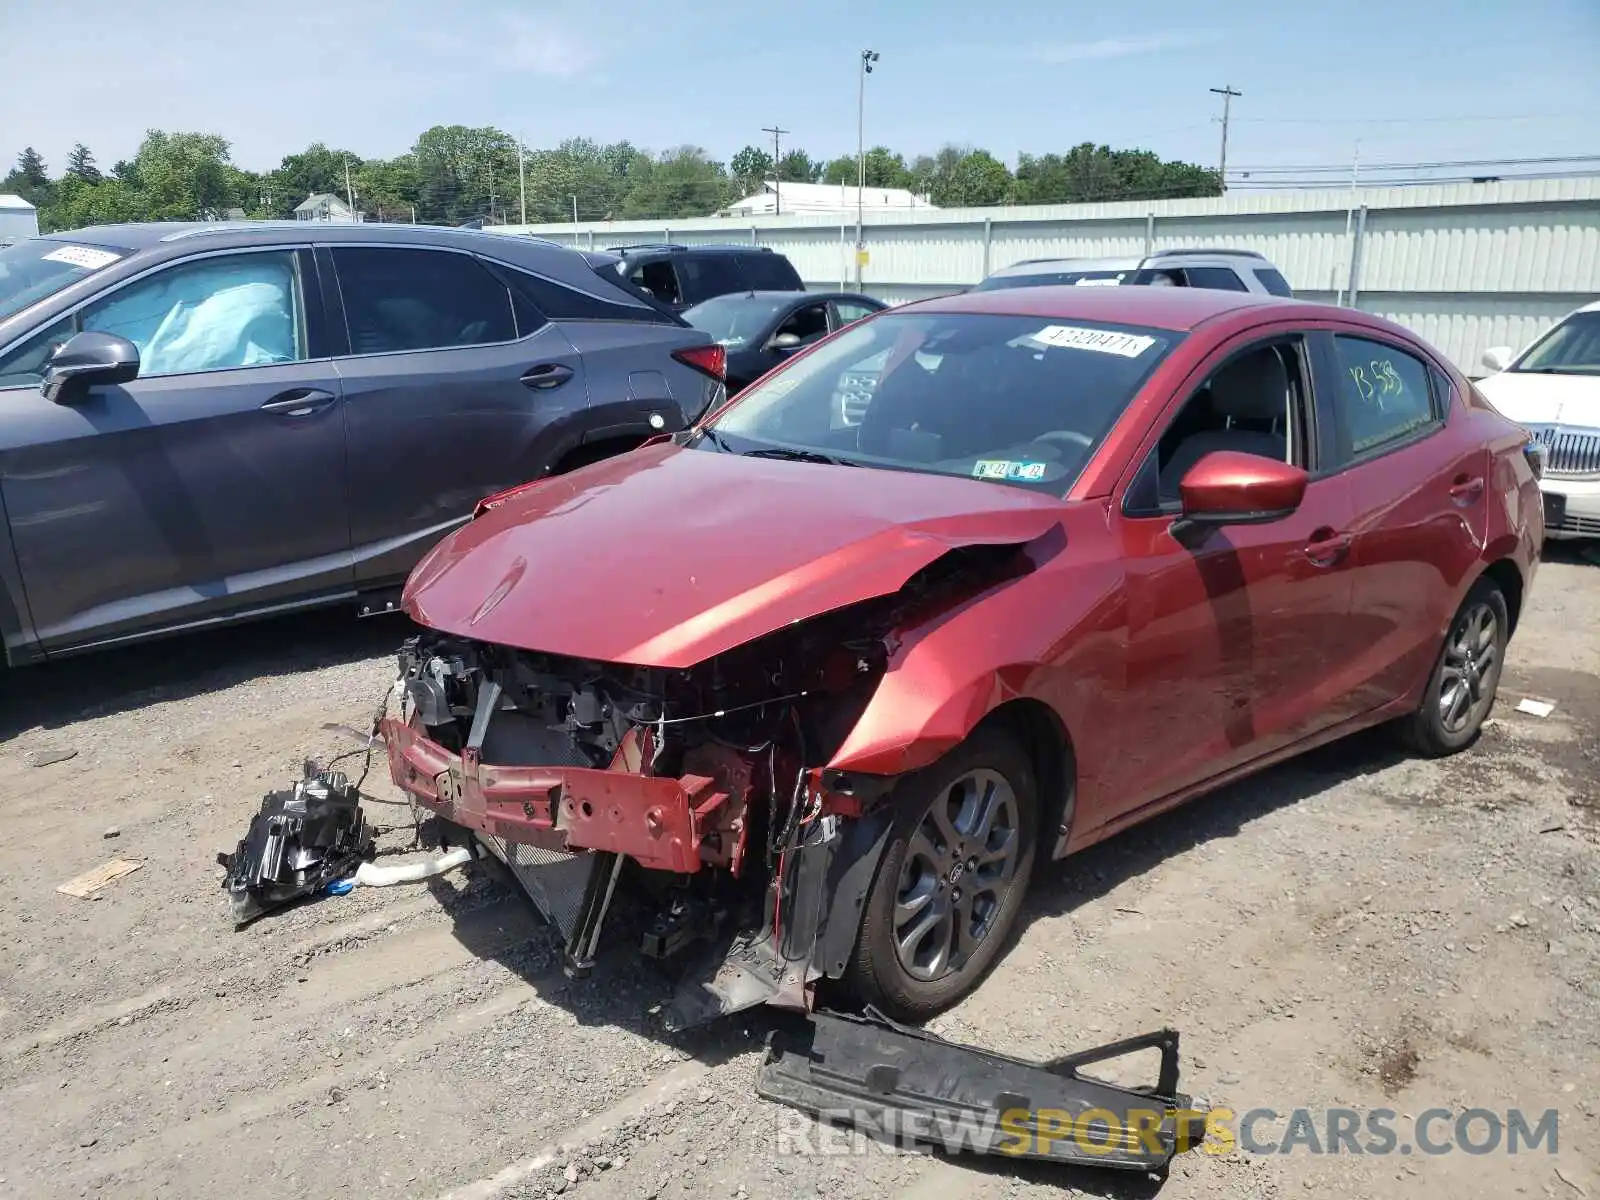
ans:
(1413, 79)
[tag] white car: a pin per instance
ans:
(1552, 389)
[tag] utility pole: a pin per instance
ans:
(574, 208)
(1350, 212)
(1227, 93)
(349, 192)
(777, 175)
(522, 180)
(868, 57)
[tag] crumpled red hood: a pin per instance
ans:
(666, 556)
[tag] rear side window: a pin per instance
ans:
(1275, 283)
(539, 299)
(398, 300)
(768, 272)
(1384, 395)
(709, 275)
(1219, 278)
(659, 279)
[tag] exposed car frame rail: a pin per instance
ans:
(661, 822)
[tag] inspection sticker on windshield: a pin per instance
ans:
(1004, 468)
(1075, 337)
(90, 258)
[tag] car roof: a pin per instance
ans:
(1177, 309)
(1039, 266)
(148, 235)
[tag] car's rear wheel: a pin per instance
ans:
(1461, 691)
(952, 879)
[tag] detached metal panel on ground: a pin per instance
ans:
(1466, 265)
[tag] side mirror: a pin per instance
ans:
(1498, 358)
(1229, 488)
(88, 360)
(786, 341)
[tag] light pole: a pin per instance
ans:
(868, 57)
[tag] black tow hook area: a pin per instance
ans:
(904, 1085)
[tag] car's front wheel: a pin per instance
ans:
(951, 881)
(1461, 691)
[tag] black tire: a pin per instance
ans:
(877, 973)
(1465, 679)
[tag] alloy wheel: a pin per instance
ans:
(959, 866)
(1471, 664)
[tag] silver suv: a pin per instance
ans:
(1226, 270)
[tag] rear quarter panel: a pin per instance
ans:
(633, 376)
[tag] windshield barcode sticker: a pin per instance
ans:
(1105, 341)
(90, 258)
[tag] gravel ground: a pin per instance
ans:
(1352, 929)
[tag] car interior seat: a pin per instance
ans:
(1247, 410)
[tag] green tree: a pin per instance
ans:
(462, 172)
(883, 168)
(750, 168)
(30, 168)
(978, 179)
(185, 176)
(799, 167)
(78, 204)
(313, 171)
(1088, 173)
(80, 165)
(685, 182)
(30, 180)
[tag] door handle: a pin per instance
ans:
(1327, 548)
(1466, 490)
(299, 402)
(546, 376)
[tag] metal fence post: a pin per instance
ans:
(754, 240)
(988, 241)
(1149, 233)
(1355, 254)
(668, 234)
(591, 239)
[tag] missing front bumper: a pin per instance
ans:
(910, 1087)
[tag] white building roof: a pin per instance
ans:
(16, 202)
(823, 198)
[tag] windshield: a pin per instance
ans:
(1015, 400)
(1571, 348)
(734, 320)
(1054, 279)
(38, 267)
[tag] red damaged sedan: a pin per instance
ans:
(968, 586)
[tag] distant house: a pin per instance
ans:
(822, 199)
(325, 206)
(18, 219)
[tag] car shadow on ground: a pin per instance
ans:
(1090, 874)
(56, 694)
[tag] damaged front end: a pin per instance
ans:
(704, 788)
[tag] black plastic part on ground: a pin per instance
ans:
(303, 839)
(905, 1085)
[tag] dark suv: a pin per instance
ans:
(204, 423)
(680, 276)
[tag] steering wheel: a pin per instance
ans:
(1065, 435)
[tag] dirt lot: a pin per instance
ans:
(1354, 929)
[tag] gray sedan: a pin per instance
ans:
(204, 423)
